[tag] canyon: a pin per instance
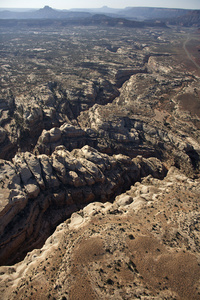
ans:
(99, 162)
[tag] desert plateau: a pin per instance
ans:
(100, 154)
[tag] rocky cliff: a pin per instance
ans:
(40, 192)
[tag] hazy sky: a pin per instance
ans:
(63, 4)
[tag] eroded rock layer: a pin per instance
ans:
(144, 245)
(38, 192)
(146, 81)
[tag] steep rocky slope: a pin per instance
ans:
(191, 18)
(143, 246)
(40, 192)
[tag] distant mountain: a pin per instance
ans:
(43, 13)
(102, 10)
(184, 17)
(68, 17)
(192, 18)
(96, 20)
(101, 19)
(138, 13)
(149, 13)
(50, 13)
(112, 17)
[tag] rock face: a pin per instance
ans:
(145, 244)
(70, 136)
(39, 192)
(139, 135)
(110, 130)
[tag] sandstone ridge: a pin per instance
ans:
(38, 192)
(145, 244)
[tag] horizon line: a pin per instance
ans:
(104, 6)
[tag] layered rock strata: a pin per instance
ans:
(111, 131)
(143, 246)
(38, 192)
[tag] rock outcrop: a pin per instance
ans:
(111, 131)
(118, 133)
(49, 108)
(38, 192)
(144, 245)
(70, 136)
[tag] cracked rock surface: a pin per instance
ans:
(39, 192)
(143, 246)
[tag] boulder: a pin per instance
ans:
(54, 135)
(47, 171)
(35, 167)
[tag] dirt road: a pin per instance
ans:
(188, 54)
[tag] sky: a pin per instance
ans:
(66, 4)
